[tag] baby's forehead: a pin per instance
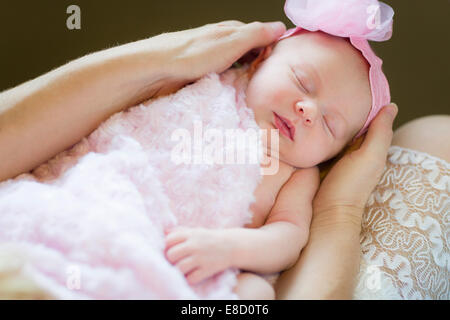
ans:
(326, 53)
(319, 41)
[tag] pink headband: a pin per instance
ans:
(359, 20)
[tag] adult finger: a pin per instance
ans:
(379, 135)
(231, 23)
(261, 34)
(226, 23)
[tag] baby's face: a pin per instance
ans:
(315, 89)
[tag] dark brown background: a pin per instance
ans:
(34, 38)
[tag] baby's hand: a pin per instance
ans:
(198, 253)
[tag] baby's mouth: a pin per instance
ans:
(285, 126)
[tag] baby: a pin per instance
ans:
(317, 90)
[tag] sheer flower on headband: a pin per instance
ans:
(358, 20)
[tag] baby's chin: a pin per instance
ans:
(300, 164)
(282, 154)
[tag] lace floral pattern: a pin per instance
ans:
(405, 231)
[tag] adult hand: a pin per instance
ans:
(66, 104)
(352, 179)
(329, 264)
(215, 47)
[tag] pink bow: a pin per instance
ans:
(367, 19)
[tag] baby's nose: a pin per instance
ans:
(307, 113)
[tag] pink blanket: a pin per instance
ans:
(91, 221)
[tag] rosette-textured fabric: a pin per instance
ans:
(89, 223)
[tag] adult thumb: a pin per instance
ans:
(380, 133)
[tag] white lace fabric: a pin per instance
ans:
(405, 231)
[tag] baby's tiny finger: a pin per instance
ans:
(186, 265)
(175, 237)
(196, 276)
(177, 253)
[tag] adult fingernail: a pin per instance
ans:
(392, 109)
(278, 27)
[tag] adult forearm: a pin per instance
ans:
(329, 264)
(44, 116)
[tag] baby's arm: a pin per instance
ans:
(277, 245)
(200, 253)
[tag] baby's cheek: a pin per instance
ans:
(278, 95)
(310, 153)
(255, 94)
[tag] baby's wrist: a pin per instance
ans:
(228, 237)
